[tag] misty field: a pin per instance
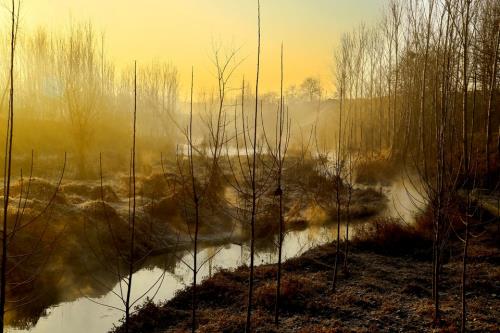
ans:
(251, 187)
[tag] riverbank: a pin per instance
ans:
(80, 232)
(386, 289)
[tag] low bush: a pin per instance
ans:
(295, 294)
(392, 236)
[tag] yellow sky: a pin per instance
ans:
(183, 31)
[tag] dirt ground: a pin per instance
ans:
(381, 293)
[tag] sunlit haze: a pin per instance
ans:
(183, 32)
(249, 166)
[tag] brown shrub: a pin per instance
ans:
(150, 317)
(219, 291)
(295, 294)
(392, 236)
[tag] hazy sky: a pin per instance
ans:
(183, 31)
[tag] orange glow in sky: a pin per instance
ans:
(183, 31)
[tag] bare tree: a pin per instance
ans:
(14, 223)
(80, 72)
(8, 161)
(277, 149)
(351, 160)
(311, 88)
(193, 190)
(132, 221)
(254, 182)
(115, 244)
(159, 89)
(244, 167)
(494, 70)
(423, 84)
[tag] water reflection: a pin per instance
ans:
(163, 275)
(84, 315)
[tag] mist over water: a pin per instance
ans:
(165, 274)
(136, 183)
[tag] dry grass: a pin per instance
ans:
(391, 236)
(381, 293)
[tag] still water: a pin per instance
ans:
(85, 314)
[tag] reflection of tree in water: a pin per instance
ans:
(73, 270)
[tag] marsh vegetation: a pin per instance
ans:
(372, 208)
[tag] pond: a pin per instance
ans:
(85, 315)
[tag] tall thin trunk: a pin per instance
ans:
(280, 194)
(348, 221)
(464, 270)
(441, 120)
(132, 223)
(248, 326)
(468, 185)
(8, 154)
(197, 210)
(473, 115)
(465, 83)
(348, 203)
(422, 88)
(396, 82)
(436, 270)
(389, 134)
(490, 105)
(372, 118)
(381, 123)
(337, 190)
(437, 77)
(337, 246)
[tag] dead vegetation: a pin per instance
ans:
(391, 236)
(388, 289)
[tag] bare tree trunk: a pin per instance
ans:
(196, 207)
(280, 249)
(468, 184)
(337, 180)
(350, 182)
(422, 92)
(490, 105)
(498, 146)
(436, 268)
(464, 274)
(8, 154)
(195, 267)
(473, 115)
(381, 122)
(337, 246)
(397, 16)
(132, 224)
(465, 83)
(280, 194)
(248, 327)
(348, 213)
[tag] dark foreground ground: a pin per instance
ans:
(387, 289)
